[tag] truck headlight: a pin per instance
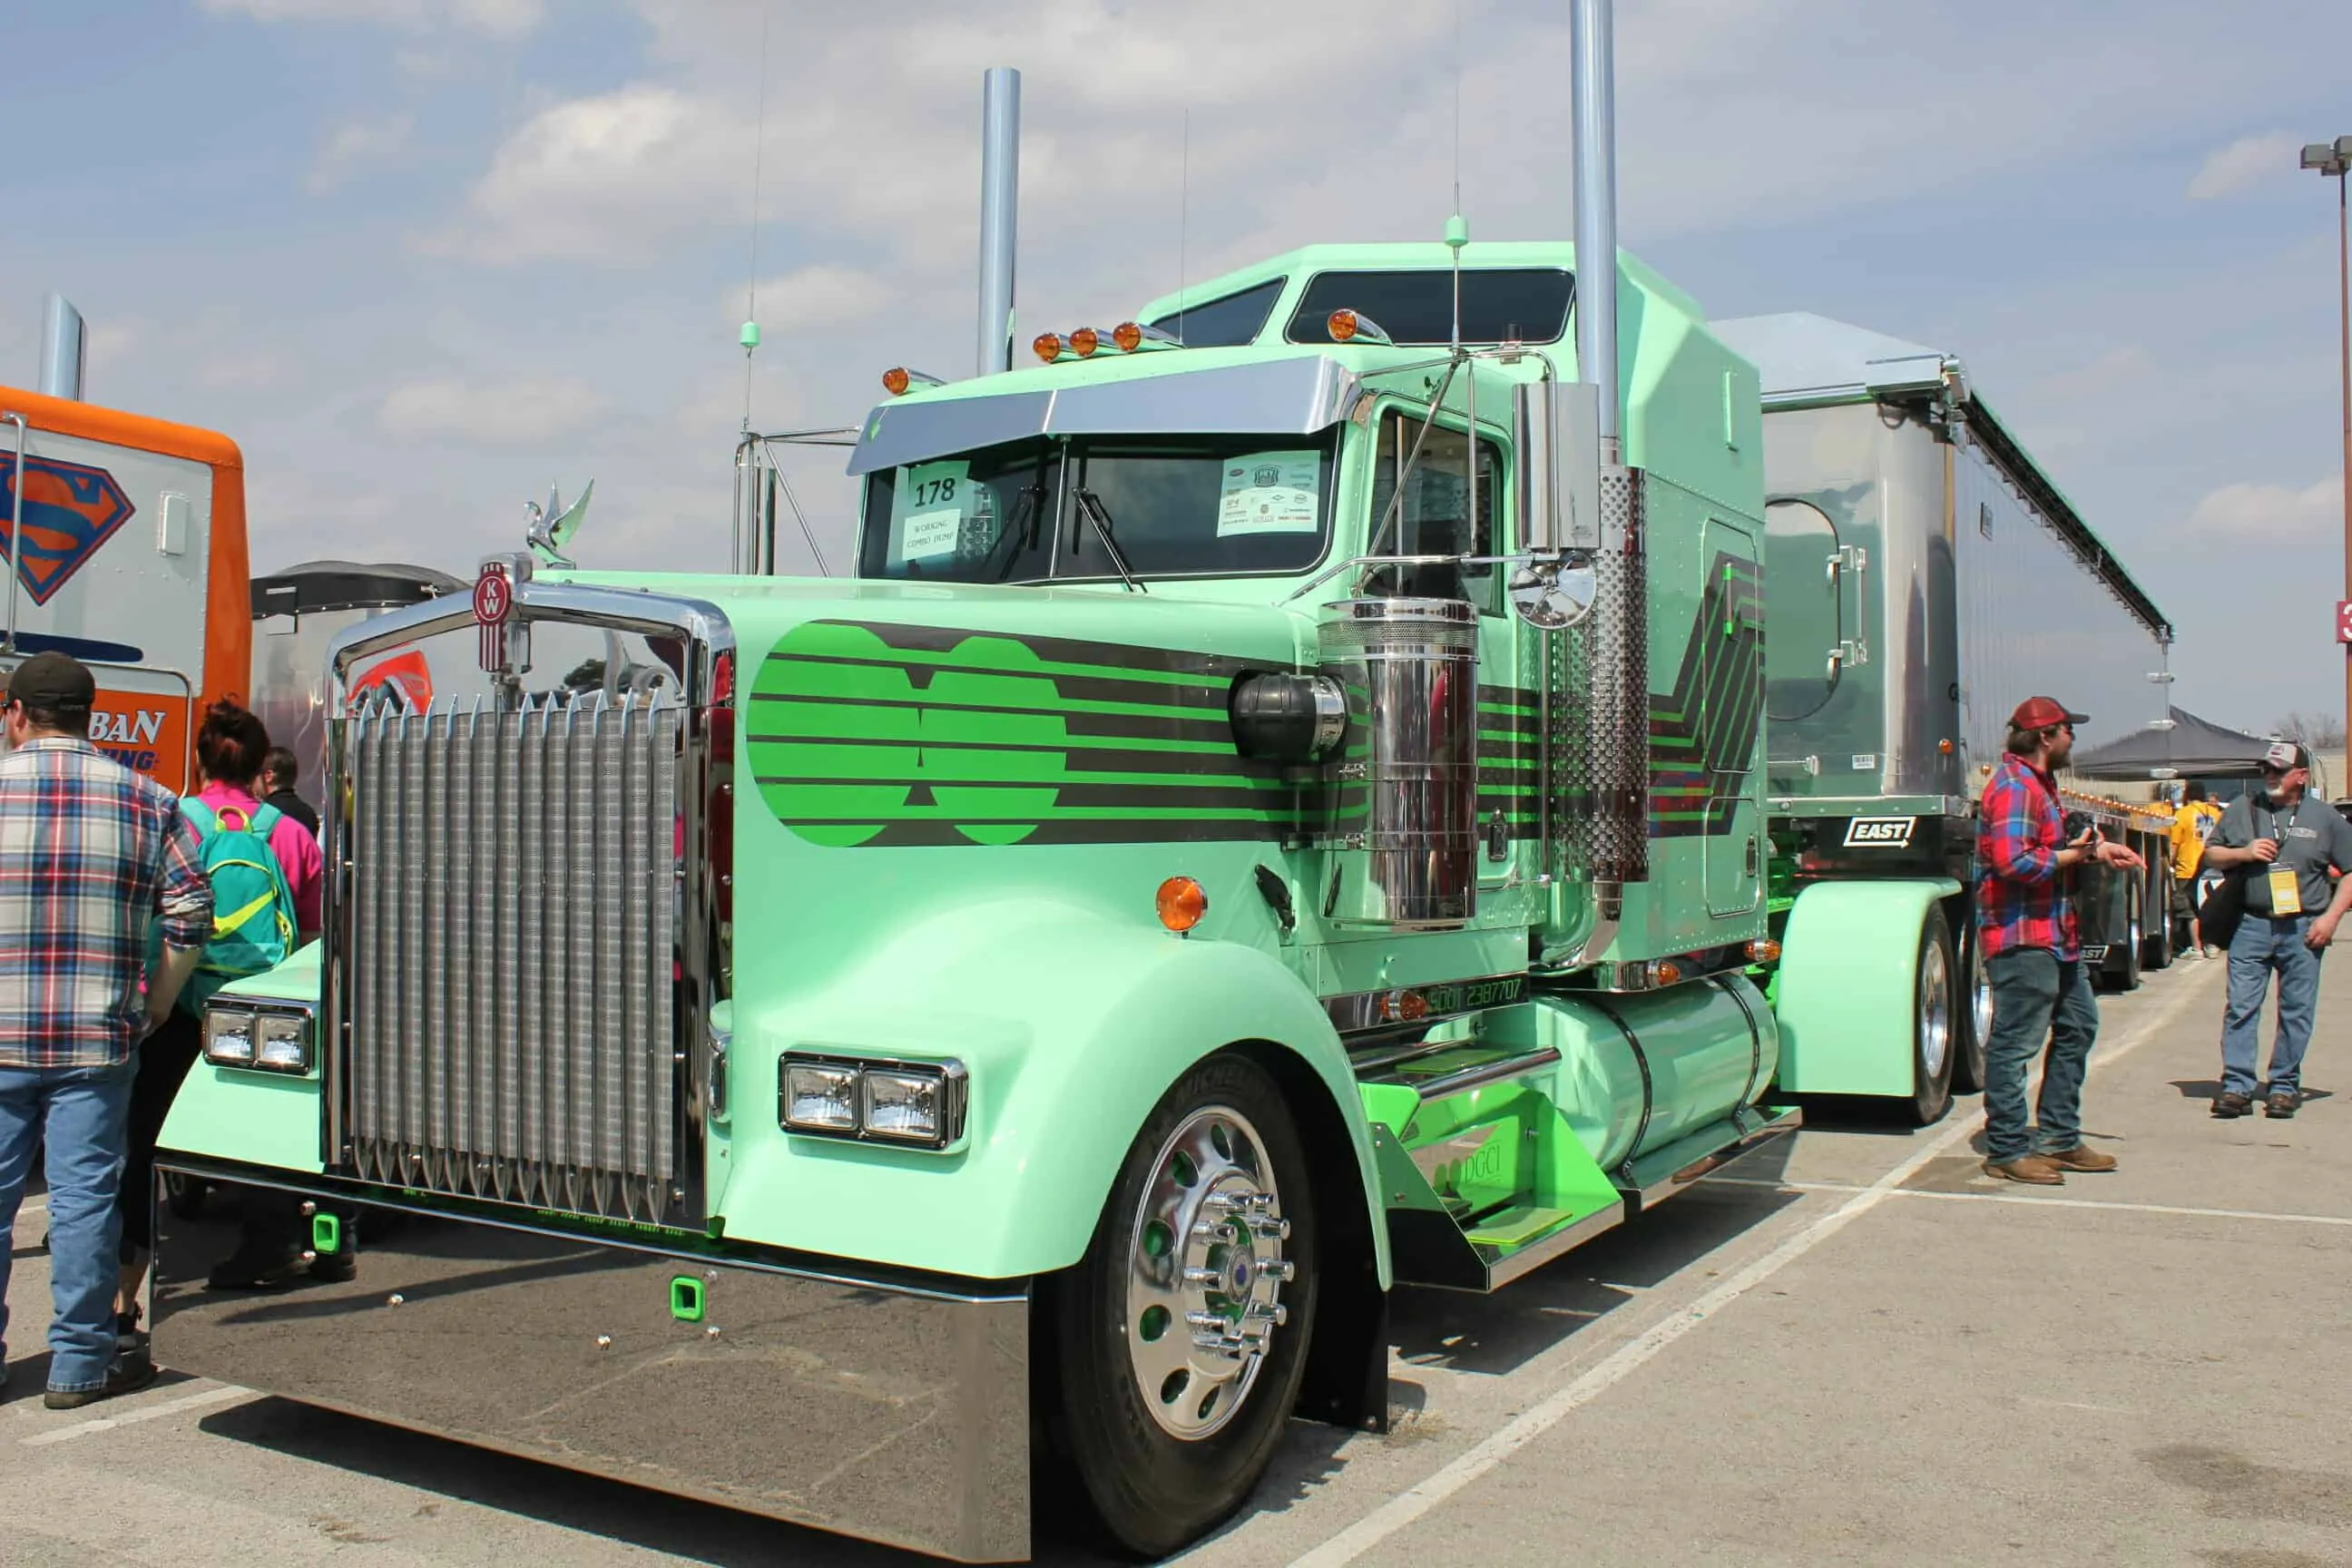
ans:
(228, 1036)
(878, 1100)
(268, 1039)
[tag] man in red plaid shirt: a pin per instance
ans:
(2025, 922)
(93, 861)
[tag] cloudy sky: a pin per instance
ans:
(422, 256)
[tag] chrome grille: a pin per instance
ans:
(511, 941)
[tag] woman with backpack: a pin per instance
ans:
(267, 874)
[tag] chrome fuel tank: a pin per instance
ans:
(1403, 820)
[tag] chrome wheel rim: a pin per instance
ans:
(1935, 1010)
(1979, 995)
(1205, 1272)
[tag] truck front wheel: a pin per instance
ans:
(1178, 1340)
(1934, 1026)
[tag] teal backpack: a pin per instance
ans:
(253, 908)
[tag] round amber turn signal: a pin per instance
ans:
(1085, 340)
(896, 381)
(1048, 346)
(1343, 324)
(1182, 903)
(1128, 336)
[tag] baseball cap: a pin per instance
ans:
(2045, 714)
(2286, 756)
(53, 683)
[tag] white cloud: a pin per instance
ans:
(513, 414)
(356, 145)
(496, 18)
(816, 295)
(2270, 512)
(2244, 163)
(608, 178)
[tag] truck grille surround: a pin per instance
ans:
(512, 920)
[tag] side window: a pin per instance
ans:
(1434, 518)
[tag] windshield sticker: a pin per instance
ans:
(1270, 492)
(929, 533)
(933, 498)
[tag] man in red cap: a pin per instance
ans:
(2025, 921)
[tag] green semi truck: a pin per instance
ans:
(1279, 811)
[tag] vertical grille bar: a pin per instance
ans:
(512, 1000)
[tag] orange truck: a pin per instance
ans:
(125, 544)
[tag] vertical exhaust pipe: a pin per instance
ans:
(1614, 738)
(64, 350)
(1592, 71)
(1000, 201)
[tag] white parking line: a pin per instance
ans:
(220, 1396)
(1409, 1506)
(33, 1208)
(2036, 1197)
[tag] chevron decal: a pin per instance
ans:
(1703, 732)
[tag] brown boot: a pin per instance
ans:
(2034, 1170)
(2079, 1159)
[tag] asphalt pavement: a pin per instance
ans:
(1850, 1347)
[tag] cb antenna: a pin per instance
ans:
(749, 335)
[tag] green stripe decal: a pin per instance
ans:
(877, 734)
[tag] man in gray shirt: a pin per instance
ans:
(2282, 842)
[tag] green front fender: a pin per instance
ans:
(1071, 1028)
(1849, 964)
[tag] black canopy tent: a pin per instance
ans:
(2191, 748)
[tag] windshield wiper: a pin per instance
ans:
(1033, 497)
(1091, 508)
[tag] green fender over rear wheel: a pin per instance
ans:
(1847, 994)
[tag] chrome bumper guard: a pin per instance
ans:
(894, 1413)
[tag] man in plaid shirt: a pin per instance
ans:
(93, 858)
(2025, 926)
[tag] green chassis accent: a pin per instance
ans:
(1845, 991)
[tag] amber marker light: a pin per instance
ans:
(1667, 971)
(1343, 323)
(1128, 336)
(1182, 903)
(895, 380)
(1764, 950)
(1048, 346)
(1085, 340)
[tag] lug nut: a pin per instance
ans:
(1203, 1276)
(1216, 1321)
(1281, 1270)
(1272, 1229)
(1275, 1316)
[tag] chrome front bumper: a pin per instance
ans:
(894, 1412)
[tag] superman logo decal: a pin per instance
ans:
(69, 511)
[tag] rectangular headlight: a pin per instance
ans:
(907, 1107)
(885, 1100)
(228, 1036)
(820, 1097)
(282, 1043)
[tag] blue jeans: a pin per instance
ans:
(2035, 998)
(2263, 947)
(79, 1113)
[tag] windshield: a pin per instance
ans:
(1226, 506)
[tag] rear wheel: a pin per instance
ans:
(2156, 948)
(1932, 1023)
(2127, 972)
(1178, 1340)
(1975, 1014)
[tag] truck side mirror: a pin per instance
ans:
(1556, 425)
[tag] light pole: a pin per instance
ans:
(2332, 159)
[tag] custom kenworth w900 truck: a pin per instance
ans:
(1278, 813)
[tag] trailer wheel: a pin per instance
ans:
(2156, 949)
(1975, 1014)
(1933, 1023)
(1179, 1339)
(2127, 973)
